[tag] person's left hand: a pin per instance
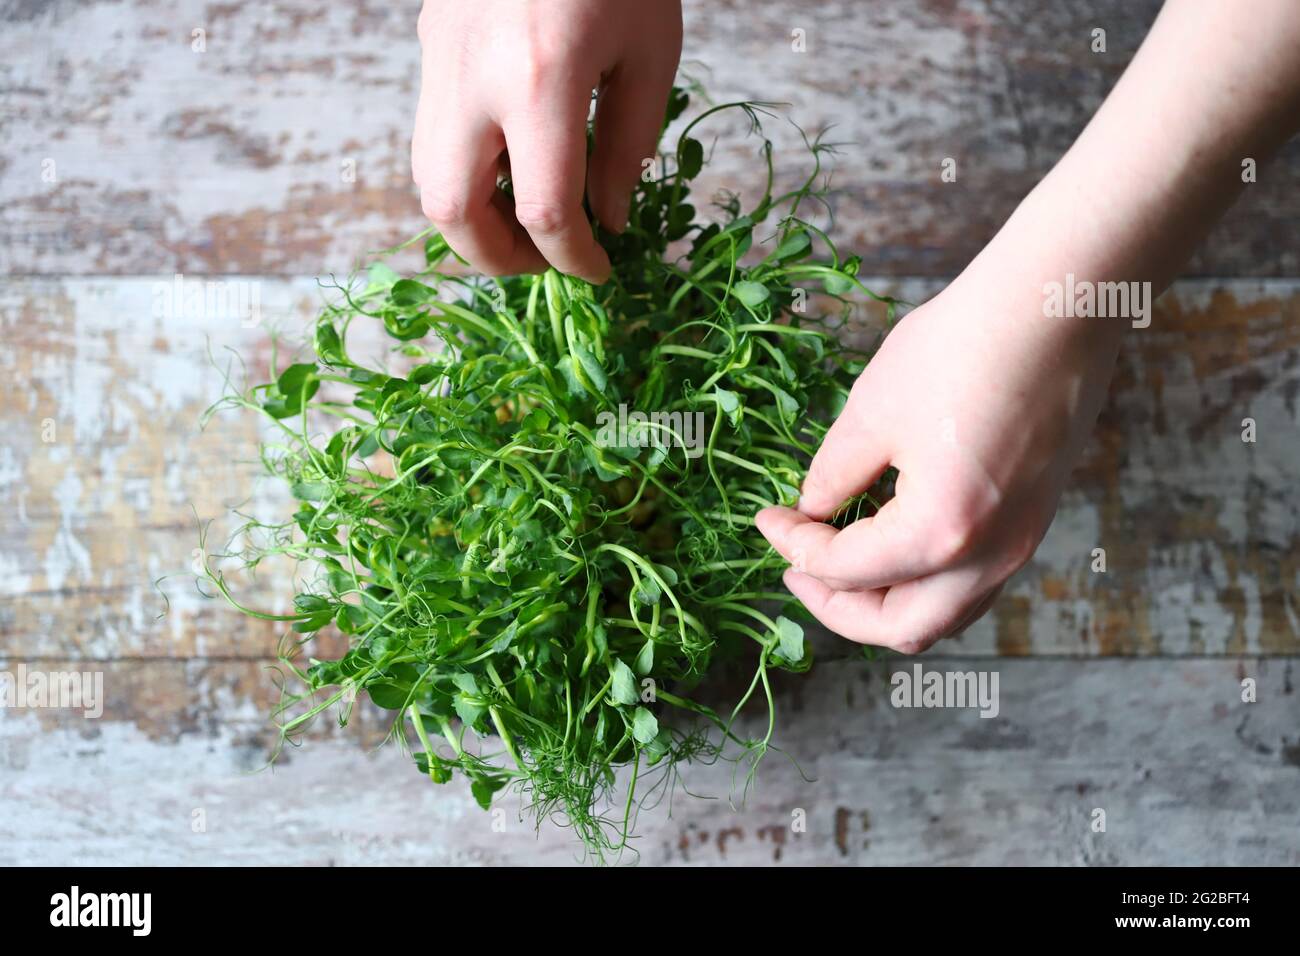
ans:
(983, 409)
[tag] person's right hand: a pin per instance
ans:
(517, 76)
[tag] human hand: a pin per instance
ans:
(983, 410)
(517, 76)
(983, 403)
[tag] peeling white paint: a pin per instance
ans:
(67, 556)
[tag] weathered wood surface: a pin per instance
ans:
(1185, 772)
(1200, 529)
(232, 162)
(233, 159)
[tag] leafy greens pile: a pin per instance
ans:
(534, 600)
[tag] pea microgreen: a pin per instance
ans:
(533, 603)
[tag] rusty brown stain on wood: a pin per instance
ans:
(1012, 621)
(724, 836)
(310, 223)
(1053, 587)
(842, 830)
(778, 835)
(847, 823)
(1225, 334)
(1115, 631)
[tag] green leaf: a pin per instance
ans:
(793, 245)
(466, 682)
(442, 770)
(690, 158)
(408, 292)
(790, 639)
(660, 747)
(680, 220)
(296, 378)
(590, 368)
(606, 467)
(752, 294)
(381, 278)
(789, 493)
(836, 284)
(435, 249)
(395, 692)
(677, 102)
(329, 346)
(648, 591)
(645, 659)
(537, 420)
(787, 404)
(467, 711)
(841, 282)
(314, 612)
(352, 619)
(484, 787)
(292, 389)
(623, 686)
(644, 726)
(310, 490)
(424, 374)
(404, 326)
(507, 636)
(730, 405)
(565, 366)
(389, 695)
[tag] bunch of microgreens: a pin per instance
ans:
(533, 602)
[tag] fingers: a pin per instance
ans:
(919, 613)
(852, 614)
(907, 618)
(528, 92)
(548, 161)
(629, 113)
(456, 169)
(888, 548)
(980, 609)
(848, 462)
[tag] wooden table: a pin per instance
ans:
(131, 156)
